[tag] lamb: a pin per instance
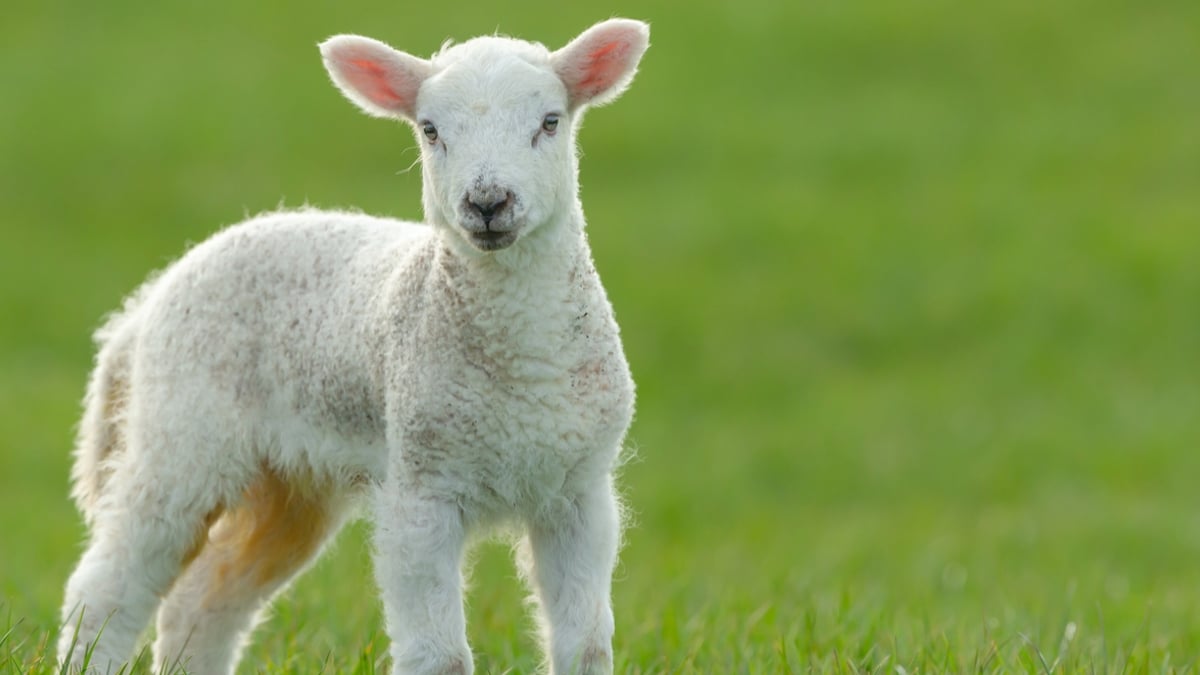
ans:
(455, 378)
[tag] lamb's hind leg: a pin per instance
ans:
(144, 529)
(252, 553)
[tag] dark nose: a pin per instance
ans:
(488, 209)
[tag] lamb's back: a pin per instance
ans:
(277, 316)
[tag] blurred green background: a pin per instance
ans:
(910, 290)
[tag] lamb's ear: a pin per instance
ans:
(599, 64)
(380, 80)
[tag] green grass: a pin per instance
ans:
(909, 290)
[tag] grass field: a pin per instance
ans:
(911, 291)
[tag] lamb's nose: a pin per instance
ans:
(489, 209)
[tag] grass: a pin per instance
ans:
(909, 290)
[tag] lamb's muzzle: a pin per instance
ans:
(489, 219)
(488, 206)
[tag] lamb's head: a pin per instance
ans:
(495, 118)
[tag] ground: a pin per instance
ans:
(909, 291)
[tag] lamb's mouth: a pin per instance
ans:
(491, 240)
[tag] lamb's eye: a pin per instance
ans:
(550, 123)
(430, 131)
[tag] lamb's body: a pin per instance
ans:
(457, 376)
(228, 332)
(316, 349)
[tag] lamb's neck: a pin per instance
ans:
(518, 306)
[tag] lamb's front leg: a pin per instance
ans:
(572, 552)
(418, 553)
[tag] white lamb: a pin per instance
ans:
(458, 376)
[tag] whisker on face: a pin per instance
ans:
(415, 162)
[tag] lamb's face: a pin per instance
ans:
(495, 119)
(496, 144)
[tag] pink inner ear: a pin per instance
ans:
(604, 65)
(371, 80)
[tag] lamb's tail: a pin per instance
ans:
(100, 440)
